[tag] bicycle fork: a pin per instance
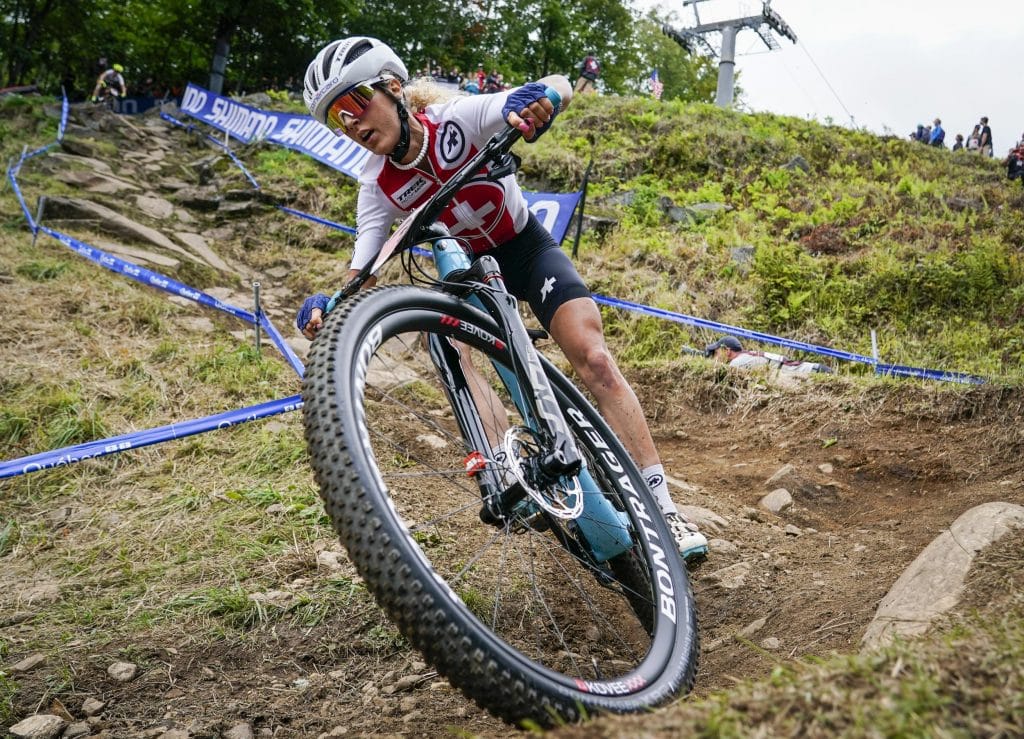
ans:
(604, 528)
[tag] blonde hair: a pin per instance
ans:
(423, 91)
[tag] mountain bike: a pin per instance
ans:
(108, 98)
(516, 546)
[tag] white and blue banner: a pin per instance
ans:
(302, 133)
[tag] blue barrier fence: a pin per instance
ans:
(135, 440)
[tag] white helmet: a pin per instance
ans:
(345, 63)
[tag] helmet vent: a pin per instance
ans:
(357, 51)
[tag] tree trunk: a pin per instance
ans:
(220, 62)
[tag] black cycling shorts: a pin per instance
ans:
(537, 270)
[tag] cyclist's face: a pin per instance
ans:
(376, 127)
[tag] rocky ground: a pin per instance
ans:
(817, 496)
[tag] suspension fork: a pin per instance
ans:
(604, 528)
(539, 407)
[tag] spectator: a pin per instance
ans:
(492, 83)
(729, 350)
(974, 140)
(938, 135)
(985, 139)
(1015, 162)
(959, 143)
(480, 77)
(590, 70)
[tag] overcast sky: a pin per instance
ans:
(891, 63)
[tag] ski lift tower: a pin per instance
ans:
(695, 38)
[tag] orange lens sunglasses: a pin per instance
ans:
(351, 104)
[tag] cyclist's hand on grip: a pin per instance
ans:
(530, 109)
(310, 318)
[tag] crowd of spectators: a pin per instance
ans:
(978, 141)
(475, 83)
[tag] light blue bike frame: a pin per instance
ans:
(604, 528)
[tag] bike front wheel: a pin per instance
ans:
(519, 613)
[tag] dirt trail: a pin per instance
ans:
(876, 474)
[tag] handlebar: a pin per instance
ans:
(411, 230)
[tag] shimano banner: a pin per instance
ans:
(302, 133)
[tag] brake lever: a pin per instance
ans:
(508, 163)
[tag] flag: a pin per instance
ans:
(656, 86)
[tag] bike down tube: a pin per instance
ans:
(605, 528)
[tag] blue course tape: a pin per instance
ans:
(135, 440)
(317, 219)
(884, 369)
(64, 108)
(282, 345)
(898, 370)
(146, 276)
(12, 177)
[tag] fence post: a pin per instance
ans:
(256, 303)
(41, 204)
(580, 207)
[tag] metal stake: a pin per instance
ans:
(39, 218)
(256, 303)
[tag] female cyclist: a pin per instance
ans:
(357, 88)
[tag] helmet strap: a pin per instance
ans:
(402, 147)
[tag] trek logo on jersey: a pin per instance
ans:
(451, 143)
(410, 191)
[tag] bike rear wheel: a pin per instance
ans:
(519, 616)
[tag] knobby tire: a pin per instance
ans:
(519, 617)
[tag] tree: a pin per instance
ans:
(685, 77)
(25, 26)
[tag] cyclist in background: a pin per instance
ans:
(357, 88)
(110, 81)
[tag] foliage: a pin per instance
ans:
(269, 42)
(849, 232)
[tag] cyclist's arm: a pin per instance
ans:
(374, 218)
(480, 115)
(559, 84)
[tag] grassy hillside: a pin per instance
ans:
(209, 563)
(850, 232)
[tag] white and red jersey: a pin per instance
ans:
(485, 214)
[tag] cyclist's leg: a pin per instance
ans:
(536, 269)
(577, 329)
(488, 405)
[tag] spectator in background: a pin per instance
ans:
(974, 140)
(480, 77)
(959, 143)
(1015, 162)
(985, 138)
(590, 70)
(938, 134)
(729, 350)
